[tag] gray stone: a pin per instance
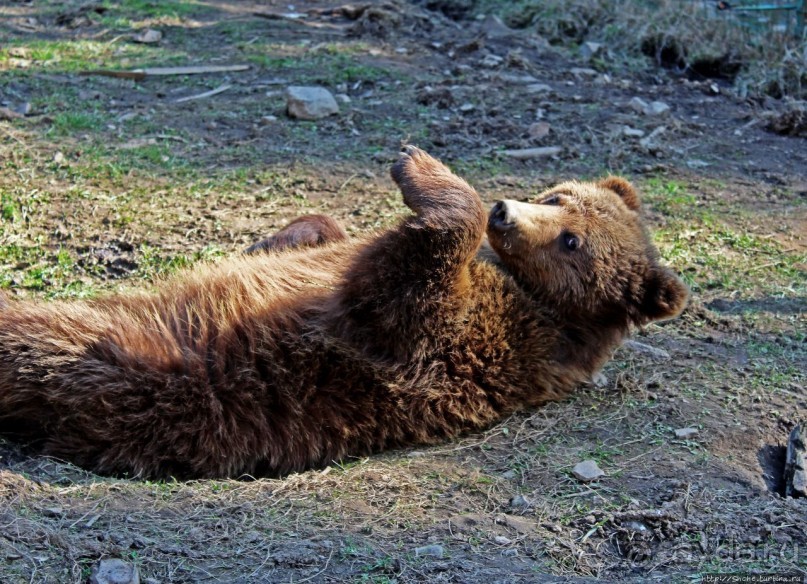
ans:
(527, 153)
(310, 103)
(642, 348)
(656, 108)
(539, 130)
(686, 432)
(638, 105)
(501, 540)
(796, 463)
(587, 471)
(538, 88)
(434, 551)
(495, 28)
(589, 50)
(148, 37)
(583, 72)
(519, 501)
(632, 132)
(114, 572)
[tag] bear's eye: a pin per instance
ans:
(572, 242)
(553, 200)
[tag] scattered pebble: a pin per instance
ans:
(587, 471)
(343, 97)
(114, 572)
(583, 72)
(796, 463)
(632, 132)
(527, 153)
(434, 551)
(685, 432)
(148, 37)
(589, 50)
(656, 108)
(494, 28)
(538, 88)
(501, 540)
(310, 103)
(510, 553)
(519, 501)
(539, 130)
(643, 348)
(467, 107)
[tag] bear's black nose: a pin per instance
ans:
(499, 218)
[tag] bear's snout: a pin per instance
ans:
(502, 216)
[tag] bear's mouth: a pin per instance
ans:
(500, 219)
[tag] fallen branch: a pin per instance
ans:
(138, 74)
(212, 92)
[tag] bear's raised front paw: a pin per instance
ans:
(419, 176)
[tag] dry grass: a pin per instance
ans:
(690, 36)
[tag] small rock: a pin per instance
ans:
(796, 463)
(519, 501)
(589, 50)
(24, 108)
(509, 474)
(19, 52)
(58, 158)
(491, 61)
(527, 153)
(685, 432)
(53, 512)
(516, 79)
(583, 72)
(656, 108)
(114, 572)
(539, 130)
(467, 107)
(510, 553)
(495, 28)
(501, 540)
(642, 348)
(649, 142)
(266, 120)
(632, 132)
(538, 88)
(587, 471)
(148, 37)
(697, 163)
(343, 97)
(637, 526)
(310, 103)
(599, 380)
(434, 551)
(638, 105)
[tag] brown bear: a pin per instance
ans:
(276, 362)
(306, 231)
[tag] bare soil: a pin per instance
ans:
(108, 183)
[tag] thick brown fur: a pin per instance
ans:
(277, 362)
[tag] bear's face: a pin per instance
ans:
(583, 248)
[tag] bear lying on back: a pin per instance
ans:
(277, 362)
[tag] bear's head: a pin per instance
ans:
(582, 248)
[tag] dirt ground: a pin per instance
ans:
(107, 184)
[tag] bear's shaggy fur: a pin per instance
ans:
(276, 362)
(306, 231)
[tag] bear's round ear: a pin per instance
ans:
(665, 295)
(622, 188)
